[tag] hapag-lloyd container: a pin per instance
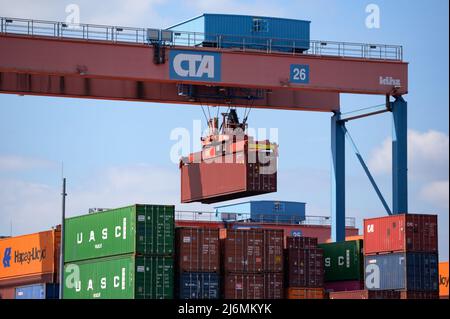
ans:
(301, 242)
(197, 250)
(365, 294)
(196, 285)
(244, 286)
(137, 229)
(304, 267)
(273, 285)
(273, 250)
(401, 233)
(305, 293)
(244, 251)
(352, 285)
(30, 255)
(120, 277)
(443, 279)
(402, 271)
(343, 260)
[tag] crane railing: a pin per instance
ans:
(120, 34)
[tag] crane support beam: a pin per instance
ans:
(400, 156)
(92, 59)
(337, 179)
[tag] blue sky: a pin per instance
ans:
(117, 153)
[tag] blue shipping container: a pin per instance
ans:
(195, 285)
(411, 271)
(38, 291)
(264, 211)
(255, 32)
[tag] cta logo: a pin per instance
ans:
(7, 257)
(194, 65)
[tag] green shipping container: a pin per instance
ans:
(343, 260)
(137, 229)
(120, 277)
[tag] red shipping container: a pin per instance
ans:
(401, 233)
(305, 293)
(244, 286)
(419, 295)
(301, 242)
(273, 250)
(365, 294)
(244, 251)
(198, 250)
(344, 285)
(305, 268)
(273, 285)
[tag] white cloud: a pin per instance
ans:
(428, 156)
(20, 163)
(436, 192)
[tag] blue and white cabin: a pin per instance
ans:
(243, 31)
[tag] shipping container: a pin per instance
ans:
(197, 250)
(273, 250)
(343, 261)
(263, 211)
(273, 285)
(300, 242)
(7, 292)
(244, 251)
(344, 285)
(233, 31)
(419, 294)
(305, 267)
(305, 293)
(365, 294)
(401, 233)
(38, 291)
(408, 271)
(230, 176)
(199, 285)
(244, 286)
(443, 279)
(120, 277)
(136, 229)
(30, 255)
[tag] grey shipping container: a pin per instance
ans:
(402, 271)
(198, 285)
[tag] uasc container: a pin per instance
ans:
(244, 250)
(38, 291)
(137, 229)
(343, 261)
(305, 293)
(30, 255)
(198, 250)
(199, 285)
(244, 286)
(402, 271)
(305, 267)
(273, 250)
(401, 233)
(120, 277)
(365, 294)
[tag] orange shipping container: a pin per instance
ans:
(443, 279)
(305, 293)
(29, 255)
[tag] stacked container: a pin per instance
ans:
(401, 253)
(124, 253)
(343, 264)
(198, 263)
(253, 264)
(304, 269)
(29, 267)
